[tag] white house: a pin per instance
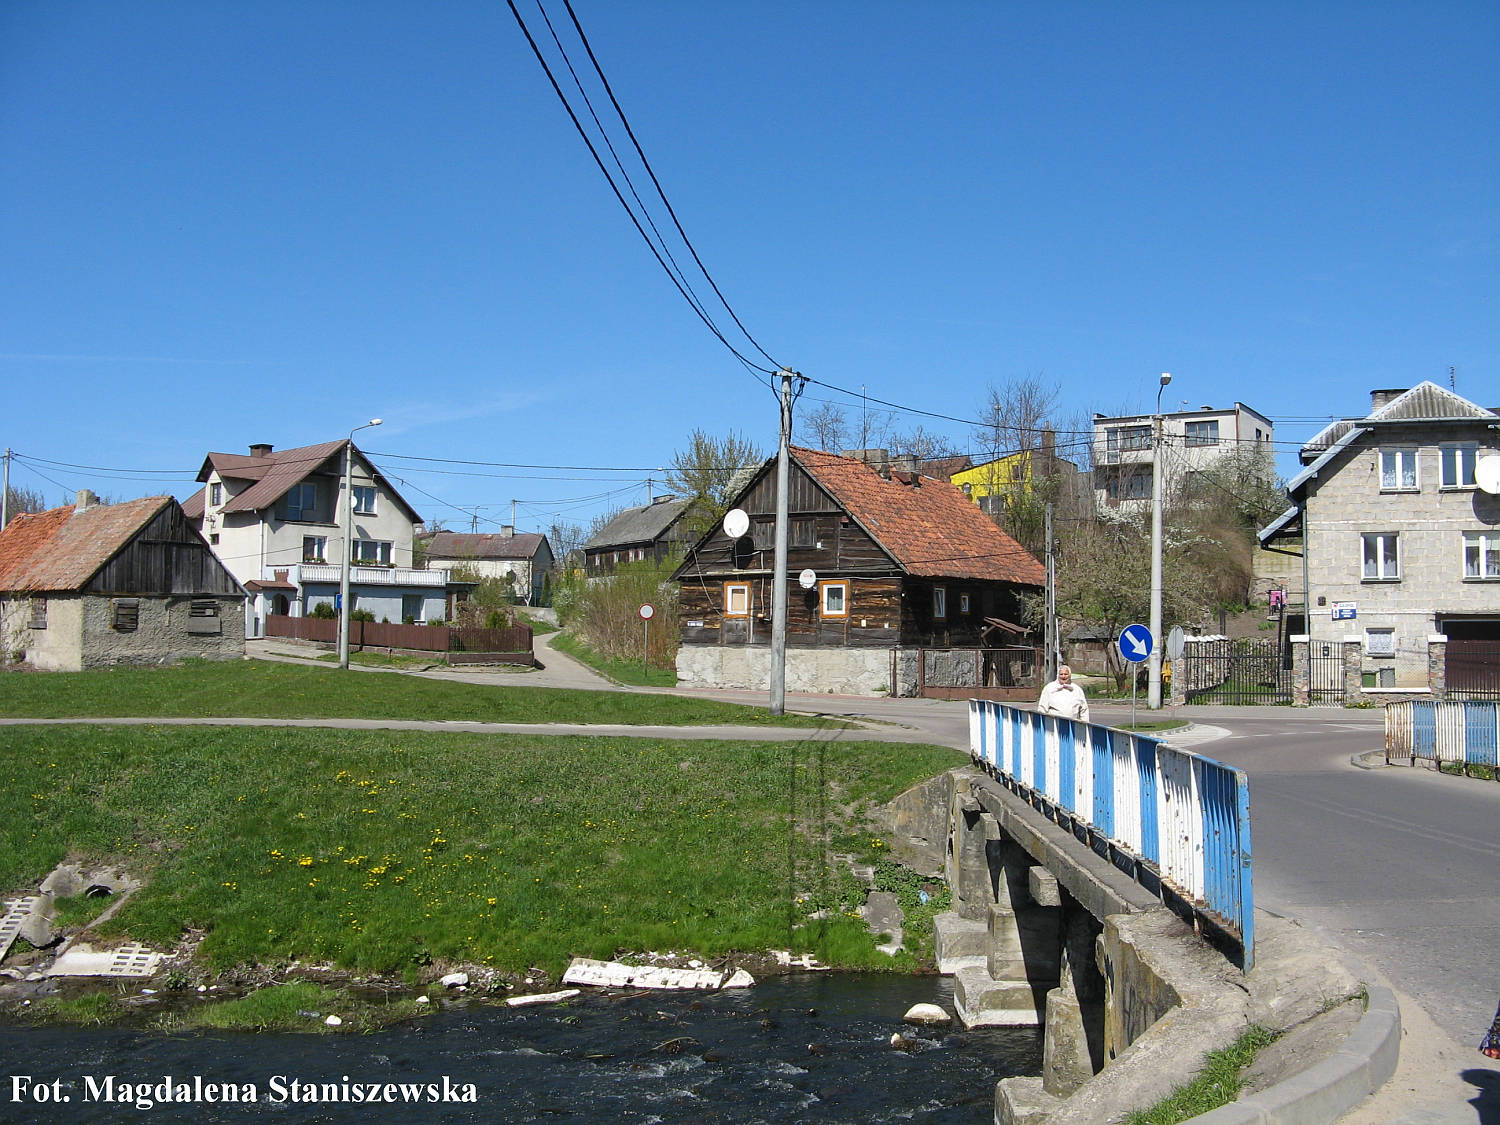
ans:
(276, 521)
(524, 558)
(1192, 440)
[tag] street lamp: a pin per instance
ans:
(1153, 666)
(348, 541)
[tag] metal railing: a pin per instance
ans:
(1184, 816)
(1458, 733)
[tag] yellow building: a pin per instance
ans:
(988, 484)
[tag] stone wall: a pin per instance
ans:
(165, 632)
(834, 671)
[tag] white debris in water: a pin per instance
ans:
(542, 997)
(455, 980)
(927, 1014)
(613, 974)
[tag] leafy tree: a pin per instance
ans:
(710, 471)
(18, 500)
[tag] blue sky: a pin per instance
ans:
(233, 223)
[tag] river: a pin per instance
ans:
(810, 1047)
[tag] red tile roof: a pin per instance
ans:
(929, 527)
(62, 549)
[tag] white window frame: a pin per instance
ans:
(364, 499)
(963, 604)
(841, 588)
(1460, 457)
(1394, 463)
(730, 590)
(1485, 548)
(1387, 556)
(1380, 642)
(216, 494)
(319, 552)
(372, 552)
(940, 603)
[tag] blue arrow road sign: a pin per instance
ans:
(1136, 643)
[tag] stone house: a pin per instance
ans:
(1401, 544)
(882, 565)
(92, 585)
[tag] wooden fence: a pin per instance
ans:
(412, 638)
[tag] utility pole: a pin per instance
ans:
(5, 493)
(513, 517)
(1050, 637)
(778, 580)
(1153, 666)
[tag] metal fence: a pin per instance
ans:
(1325, 674)
(1464, 734)
(1252, 670)
(1472, 669)
(1185, 816)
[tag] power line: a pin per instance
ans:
(636, 222)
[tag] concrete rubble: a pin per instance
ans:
(614, 974)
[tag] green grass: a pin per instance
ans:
(93, 1009)
(1217, 1084)
(266, 689)
(1147, 726)
(385, 660)
(381, 851)
(633, 672)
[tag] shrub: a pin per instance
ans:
(324, 611)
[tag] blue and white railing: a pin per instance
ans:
(1185, 816)
(1459, 733)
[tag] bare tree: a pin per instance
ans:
(920, 444)
(825, 427)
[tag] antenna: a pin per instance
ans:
(1453, 379)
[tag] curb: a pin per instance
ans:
(1369, 760)
(1329, 1089)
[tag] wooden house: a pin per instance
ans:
(653, 532)
(92, 585)
(881, 564)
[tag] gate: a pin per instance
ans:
(1472, 669)
(1252, 670)
(1325, 674)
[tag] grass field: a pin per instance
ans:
(633, 672)
(265, 689)
(395, 851)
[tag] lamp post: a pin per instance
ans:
(1153, 673)
(348, 542)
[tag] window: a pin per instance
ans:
(835, 599)
(411, 609)
(1128, 438)
(1134, 485)
(1203, 433)
(764, 532)
(216, 494)
(125, 615)
(300, 501)
(203, 616)
(1458, 465)
(940, 603)
(1380, 642)
(803, 533)
(213, 538)
(38, 613)
(1382, 557)
(314, 548)
(963, 603)
(364, 500)
(1398, 470)
(736, 599)
(1482, 554)
(372, 552)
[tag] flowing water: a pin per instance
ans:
(801, 1048)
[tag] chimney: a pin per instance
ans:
(86, 500)
(1383, 398)
(260, 451)
(507, 531)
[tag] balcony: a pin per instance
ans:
(373, 575)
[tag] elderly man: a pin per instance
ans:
(1063, 698)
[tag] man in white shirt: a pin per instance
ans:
(1063, 698)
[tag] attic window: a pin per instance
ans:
(38, 613)
(127, 614)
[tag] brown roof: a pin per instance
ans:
(929, 527)
(462, 545)
(274, 473)
(62, 549)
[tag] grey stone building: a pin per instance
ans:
(1401, 538)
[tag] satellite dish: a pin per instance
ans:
(1487, 474)
(736, 523)
(807, 579)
